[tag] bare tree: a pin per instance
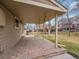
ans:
(68, 22)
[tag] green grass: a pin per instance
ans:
(71, 47)
(71, 33)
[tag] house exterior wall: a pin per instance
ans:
(9, 35)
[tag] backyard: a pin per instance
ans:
(70, 43)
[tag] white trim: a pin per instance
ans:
(56, 35)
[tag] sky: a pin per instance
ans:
(71, 5)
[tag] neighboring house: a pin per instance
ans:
(72, 23)
(43, 27)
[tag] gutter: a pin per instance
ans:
(59, 5)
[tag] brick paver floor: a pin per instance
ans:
(32, 48)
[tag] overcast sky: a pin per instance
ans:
(72, 5)
(73, 8)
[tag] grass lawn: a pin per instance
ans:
(71, 44)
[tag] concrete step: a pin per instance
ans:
(62, 56)
(51, 53)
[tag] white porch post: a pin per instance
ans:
(56, 33)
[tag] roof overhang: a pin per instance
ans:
(34, 11)
(50, 4)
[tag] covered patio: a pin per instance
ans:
(33, 47)
(33, 11)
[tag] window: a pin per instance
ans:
(16, 23)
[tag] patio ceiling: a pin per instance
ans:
(34, 11)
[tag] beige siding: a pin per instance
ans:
(9, 36)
